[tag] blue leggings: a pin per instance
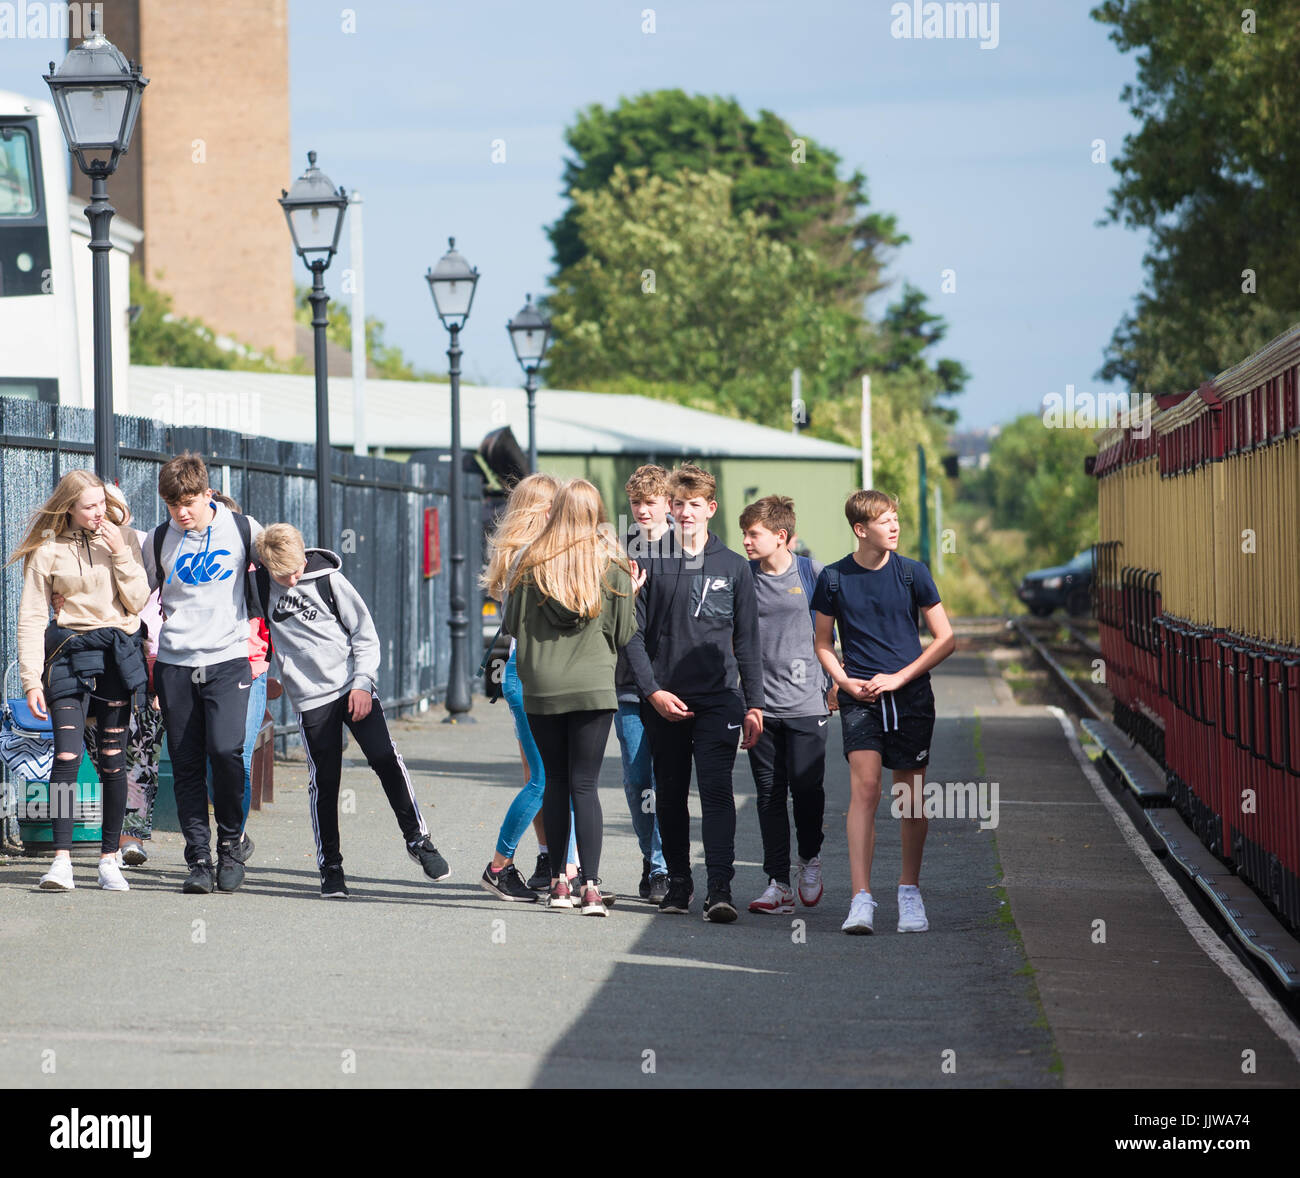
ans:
(528, 801)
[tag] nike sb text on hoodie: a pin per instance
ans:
(205, 619)
(322, 657)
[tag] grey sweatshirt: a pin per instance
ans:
(205, 620)
(794, 683)
(321, 657)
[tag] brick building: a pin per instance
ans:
(209, 158)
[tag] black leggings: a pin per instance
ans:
(572, 745)
(111, 706)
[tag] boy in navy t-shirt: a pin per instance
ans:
(886, 705)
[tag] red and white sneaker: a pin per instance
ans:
(559, 896)
(809, 881)
(776, 899)
(593, 903)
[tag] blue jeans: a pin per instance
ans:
(252, 726)
(639, 783)
(528, 801)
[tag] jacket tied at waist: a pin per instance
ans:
(74, 659)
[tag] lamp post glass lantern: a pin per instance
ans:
(452, 282)
(97, 95)
(530, 332)
(314, 209)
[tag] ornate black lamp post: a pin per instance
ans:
(314, 210)
(452, 283)
(97, 93)
(529, 334)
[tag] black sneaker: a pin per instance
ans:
(243, 852)
(643, 888)
(508, 884)
(678, 896)
(718, 908)
(333, 886)
(540, 880)
(426, 855)
(199, 880)
(658, 888)
(230, 871)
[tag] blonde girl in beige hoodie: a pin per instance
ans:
(77, 546)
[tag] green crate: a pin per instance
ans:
(87, 816)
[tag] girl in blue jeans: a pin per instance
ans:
(524, 517)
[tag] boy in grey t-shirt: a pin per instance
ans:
(790, 755)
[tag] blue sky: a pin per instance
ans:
(983, 154)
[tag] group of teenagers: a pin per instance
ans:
(692, 652)
(688, 649)
(170, 631)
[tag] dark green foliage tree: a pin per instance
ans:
(789, 180)
(1212, 174)
(1038, 484)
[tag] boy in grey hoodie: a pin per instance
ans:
(328, 651)
(202, 677)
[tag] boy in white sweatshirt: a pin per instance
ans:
(328, 652)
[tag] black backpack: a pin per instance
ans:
(833, 586)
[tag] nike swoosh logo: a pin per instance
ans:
(733, 725)
(821, 723)
(244, 686)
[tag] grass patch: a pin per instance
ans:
(1004, 920)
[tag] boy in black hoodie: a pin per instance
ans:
(697, 625)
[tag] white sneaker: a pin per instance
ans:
(776, 898)
(110, 875)
(59, 876)
(861, 915)
(911, 911)
(809, 881)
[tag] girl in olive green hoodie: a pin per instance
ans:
(570, 608)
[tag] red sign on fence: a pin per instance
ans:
(432, 544)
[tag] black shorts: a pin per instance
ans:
(898, 725)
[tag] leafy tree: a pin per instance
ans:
(1212, 174)
(907, 333)
(159, 336)
(672, 287)
(1039, 485)
(790, 181)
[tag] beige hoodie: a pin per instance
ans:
(100, 590)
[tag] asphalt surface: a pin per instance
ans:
(413, 983)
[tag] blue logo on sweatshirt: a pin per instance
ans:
(201, 568)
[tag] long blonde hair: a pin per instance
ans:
(520, 524)
(53, 519)
(569, 561)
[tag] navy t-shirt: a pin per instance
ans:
(874, 611)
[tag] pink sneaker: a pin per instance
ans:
(559, 896)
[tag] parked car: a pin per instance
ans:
(1068, 587)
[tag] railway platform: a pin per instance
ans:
(1055, 956)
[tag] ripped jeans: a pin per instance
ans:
(110, 703)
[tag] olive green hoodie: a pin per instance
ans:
(566, 662)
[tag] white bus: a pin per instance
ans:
(40, 349)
